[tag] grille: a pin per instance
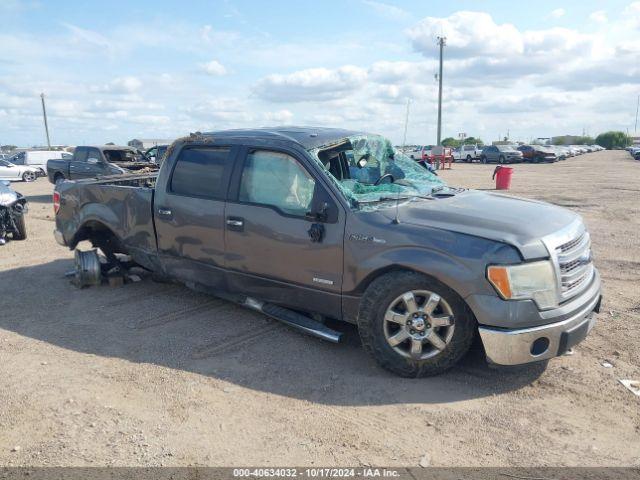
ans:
(575, 265)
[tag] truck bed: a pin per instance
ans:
(121, 203)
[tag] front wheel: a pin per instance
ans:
(501, 159)
(483, 159)
(29, 176)
(414, 325)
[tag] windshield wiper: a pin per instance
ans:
(383, 199)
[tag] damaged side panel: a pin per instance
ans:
(121, 208)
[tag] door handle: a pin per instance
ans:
(235, 223)
(165, 212)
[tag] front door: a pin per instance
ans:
(189, 214)
(275, 250)
(8, 171)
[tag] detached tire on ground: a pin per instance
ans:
(21, 227)
(414, 325)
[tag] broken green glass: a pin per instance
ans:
(369, 171)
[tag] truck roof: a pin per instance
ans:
(307, 137)
(107, 147)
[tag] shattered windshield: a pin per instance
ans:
(369, 170)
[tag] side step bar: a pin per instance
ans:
(294, 319)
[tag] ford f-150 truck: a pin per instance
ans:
(91, 162)
(309, 224)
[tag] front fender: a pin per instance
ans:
(464, 278)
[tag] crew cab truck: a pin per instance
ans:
(97, 161)
(306, 224)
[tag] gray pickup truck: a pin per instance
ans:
(97, 161)
(310, 224)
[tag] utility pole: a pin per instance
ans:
(442, 41)
(637, 107)
(406, 123)
(46, 126)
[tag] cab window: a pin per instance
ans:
(276, 179)
(199, 172)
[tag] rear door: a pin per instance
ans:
(189, 214)
(272, 253)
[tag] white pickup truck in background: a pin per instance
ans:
(467, 153)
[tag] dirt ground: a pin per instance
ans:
(155, 374)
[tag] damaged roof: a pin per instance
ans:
(307, 137)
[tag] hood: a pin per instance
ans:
(516, 221)
(7, 195)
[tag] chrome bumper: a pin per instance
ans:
(59, 238)
(515, 347)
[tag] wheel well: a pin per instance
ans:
(100, 237)
(364, 284)
(58, 175)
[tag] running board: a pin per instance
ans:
(294, 319)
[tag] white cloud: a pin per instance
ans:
(213, 68)
(557, 13)
(632, 14)
(468, 34)
(387, 11)
(119, 85)
(599, 16)
(312, 84)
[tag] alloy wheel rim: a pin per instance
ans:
(29, 176)
(419, 324)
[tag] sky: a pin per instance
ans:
(113, 71)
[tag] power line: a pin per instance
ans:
(406, 123)
(46, 126)
(637, 107)
(442, 41)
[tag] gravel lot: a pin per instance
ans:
(154, 374)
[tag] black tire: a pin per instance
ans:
(58, 178)
(483, 159)
(29, 177)
(469, 159)
(501, 159)
(21, 234)
(375, 302)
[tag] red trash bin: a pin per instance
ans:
(503, 177)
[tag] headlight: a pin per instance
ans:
(535, 281)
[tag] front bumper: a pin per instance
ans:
(525, 345)
(59, 237)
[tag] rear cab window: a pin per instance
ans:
(201, 172)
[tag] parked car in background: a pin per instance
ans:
(14, 173)
(98, 161)
(13, 207)
(467, 153)
(575, 151)
(38, 158)
(562, 152)
(537, 153)
(156, 154)
(275, 220)
(500, 154)
(420, 153)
